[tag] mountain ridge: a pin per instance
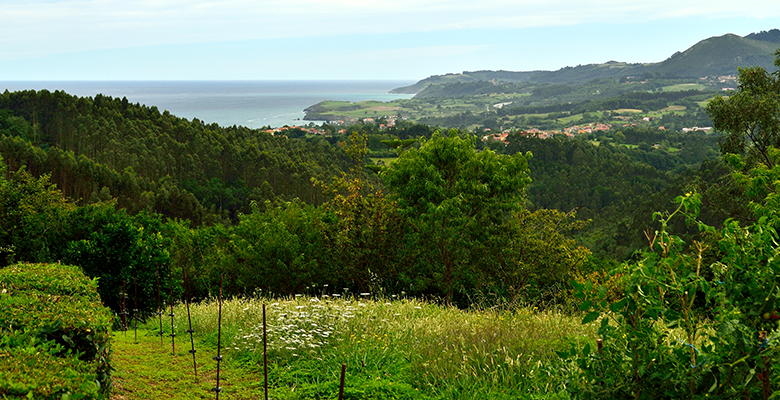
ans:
(717, 55)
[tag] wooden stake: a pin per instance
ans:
(159, 305)
(218, 358)
(173, 332)
(135, 312)
(265, 356)
(185, 282)
(341, 381)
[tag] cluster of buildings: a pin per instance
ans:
(287, 128)
(588, 128)
(544, 134)
(383, 123)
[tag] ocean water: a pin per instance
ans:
(249, 103)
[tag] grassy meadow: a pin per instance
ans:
(393, 349)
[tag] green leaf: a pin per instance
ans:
(618, 305)
(586, 305)
(590, 317)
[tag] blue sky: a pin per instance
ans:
(349, 39)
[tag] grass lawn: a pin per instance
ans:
(704, 103)
(674, 108)
(683, 87)
(570, 119)
(627, 111)
(401, 349)
(148, 370)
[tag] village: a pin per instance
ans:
(341, 127)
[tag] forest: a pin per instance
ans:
(654, 254)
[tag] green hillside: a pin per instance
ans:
(102, 148)
(720, 55)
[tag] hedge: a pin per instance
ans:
(56, 334)
(48, 278)
(46, 376)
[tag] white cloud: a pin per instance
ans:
(38, 27)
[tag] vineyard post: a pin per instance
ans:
(134, 317)
(123, 307)
(159, 306)
(218, 358)
(265, 355)
(341, 381)
(173, 332)
(189, 321)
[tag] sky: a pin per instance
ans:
(349, 39)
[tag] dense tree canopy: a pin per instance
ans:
(454, 198)
(103, 147)
(751, 116)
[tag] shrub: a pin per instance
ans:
(55, 333)
(63, 280)
(691, 320)
(26, 371)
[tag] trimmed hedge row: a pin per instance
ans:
(46, 376)
(54, 279)
(55, 334)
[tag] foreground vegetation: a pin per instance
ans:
(54, 334)
(144, 369)
(394, 349)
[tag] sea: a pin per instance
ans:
(253, 104)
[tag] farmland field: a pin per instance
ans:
(683, 87)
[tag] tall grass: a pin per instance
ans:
(430, 349)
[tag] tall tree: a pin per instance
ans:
(751, 116)
(454, 198)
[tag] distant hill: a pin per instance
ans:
(564, 75)
(766, 36)
(719, 55)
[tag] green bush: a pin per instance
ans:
(79, 324)
(55, 333)
(690, 320)
(25, 371)
(62, 280)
